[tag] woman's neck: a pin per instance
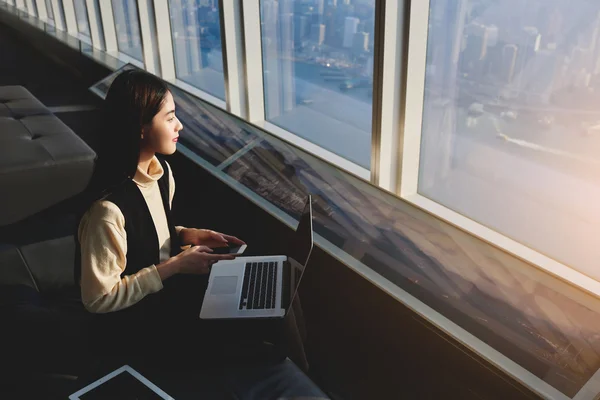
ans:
(145, 158)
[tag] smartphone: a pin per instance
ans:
(234, 249)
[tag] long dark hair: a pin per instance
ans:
(134, 98)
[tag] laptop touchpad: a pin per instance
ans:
(224, 285)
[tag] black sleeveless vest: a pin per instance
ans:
(142, 240)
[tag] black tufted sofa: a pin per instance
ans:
(42, 161)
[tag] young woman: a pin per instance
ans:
(128, 246)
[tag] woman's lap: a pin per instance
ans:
(168, 326)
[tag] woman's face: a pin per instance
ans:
(160, 136)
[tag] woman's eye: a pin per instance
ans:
(171, 119)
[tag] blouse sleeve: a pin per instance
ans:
(103, 242)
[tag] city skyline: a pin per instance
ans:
(511, 116)
(318, 72)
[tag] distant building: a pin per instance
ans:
(186, 42)
(508, 62)
(528, 40)
(320, 6)
(350, 29)
(492, 35)
(361, 42)
(207, 3)
(278, 60)
(540, 77)
(301, 26)
(317, 34)
(447, 26)
(480, 43)
(531, 38)
(580, 60)
(369, 67)
(477, 44)
(331, 30)
(582, 79)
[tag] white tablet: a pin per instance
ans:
(123, 383)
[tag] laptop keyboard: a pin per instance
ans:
(259, 289)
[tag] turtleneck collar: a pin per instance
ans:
(154, 173)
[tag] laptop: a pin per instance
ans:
(259, 286)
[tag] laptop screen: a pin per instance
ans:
(302, 244)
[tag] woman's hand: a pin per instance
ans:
(198, 260)
(195, 260)
(208, 238)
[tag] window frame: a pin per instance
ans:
(148, 32)
(232, 38)
(71, 22)
(167, 55)
(94, 22)
(165, 42)
(30, 8)
(410, 160)
(43, 12)
(121, 54)
(110, 35)
(256, 95)
(387, 150)
(59, 21)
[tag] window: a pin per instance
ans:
(197, 46)
(49, 10)
(83, 25)
(318, 72)
(127, 25)
(31, 7)
(23, 5)
(511, 124)
(61, 16)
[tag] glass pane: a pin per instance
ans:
(511, 124)
(83, 26)
(49, 10)
(33, 7)
(96, 14)
(540, 322)
(318, 72)
(127, 24)
(62, 13)
(211, 132)
(196, 32)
